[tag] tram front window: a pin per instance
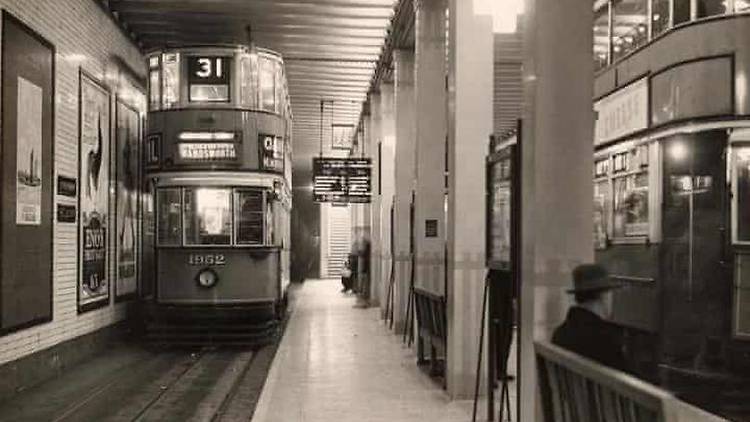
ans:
(169, 217)
(250, 217)
(208, 216)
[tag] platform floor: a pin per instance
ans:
(339, 363)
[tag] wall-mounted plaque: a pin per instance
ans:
(431, 228)
(67, 186)
(66, 213)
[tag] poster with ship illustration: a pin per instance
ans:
(94, 147)
(29, 154)
(127, 149)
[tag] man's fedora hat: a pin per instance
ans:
(592, 277)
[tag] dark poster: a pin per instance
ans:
(94, 159)
(26, 177)
(127, 151)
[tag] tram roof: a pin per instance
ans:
(331, 48)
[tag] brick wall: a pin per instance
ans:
(85, 37)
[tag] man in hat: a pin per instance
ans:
(586, 330)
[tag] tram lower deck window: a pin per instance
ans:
(208, 216)
(742, 193)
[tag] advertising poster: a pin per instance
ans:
(29, 154)
(93, 157)
(127, 171)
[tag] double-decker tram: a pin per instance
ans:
(218, 160)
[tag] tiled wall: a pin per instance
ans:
(84, 37)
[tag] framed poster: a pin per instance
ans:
(26, 177)
(127, 178)
(93, 201)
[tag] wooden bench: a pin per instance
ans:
(431, 320)
(577, 389)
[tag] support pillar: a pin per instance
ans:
(405, 172)
(430, 73)
(556, 165)
(470, 122)
(384, 184)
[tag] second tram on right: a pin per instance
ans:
(672, 189)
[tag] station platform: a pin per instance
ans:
(340, 363)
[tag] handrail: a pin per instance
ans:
(592, 387)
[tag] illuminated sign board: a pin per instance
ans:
(272, 152)
(208, 77)
(214, 151)
(622, 113)
(342, 180)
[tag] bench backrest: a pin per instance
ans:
(577, 389)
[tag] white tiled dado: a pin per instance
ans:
(337, 363)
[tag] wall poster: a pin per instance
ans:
(127, 172)
(26, 177)
(93, 207)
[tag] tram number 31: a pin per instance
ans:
(207, 259)
(210, 68)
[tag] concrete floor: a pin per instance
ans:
(339, 363)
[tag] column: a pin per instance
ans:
(366, 211)
(385, 185)
(556, 161)
(404, 173)
(470, 88)
(430, 72)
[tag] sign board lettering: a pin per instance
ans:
(212, 151)
(343, 180)
(622, 112)
(66, 213)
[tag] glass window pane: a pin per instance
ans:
(602, 206)
(279, 90)
(741, 5)
(170, 80)
(681, 11)
(168, 209)
(631, 205)
(711, 8)
(249, 84)
(250, 217)
(742, 167)
(267, 82)
(601, 38)
(154, 91)
(629, 29)
(208, 216)
(660, 19)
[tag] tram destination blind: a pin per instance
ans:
(342, 180)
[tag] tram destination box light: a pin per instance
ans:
(342, 180)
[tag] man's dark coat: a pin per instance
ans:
(587, 334)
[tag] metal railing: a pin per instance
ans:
(577, 389)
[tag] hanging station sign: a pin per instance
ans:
(342, 136)
(342, 180)
(622, 112)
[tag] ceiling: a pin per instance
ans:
(331, 48)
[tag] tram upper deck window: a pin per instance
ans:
(629, 26)
(249, 80)
(170, 217)
(267, 84)
(170, 78)
(741, 5)
(711, 8)
(601, 37)
(681, 11)
(208, 216)
(208, 78)
(154, 95)
(742, 193)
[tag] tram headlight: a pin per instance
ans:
(207, 278)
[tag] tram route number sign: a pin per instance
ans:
(342, 180)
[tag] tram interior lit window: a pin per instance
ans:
(208, 216)
(660, 17)
(742, 168)
(601, 37)
(741, 5)
(267, 84)
(630, 26)
(169, 211)
(602, 203)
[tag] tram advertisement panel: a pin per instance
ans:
(127, 149)
(94, 143)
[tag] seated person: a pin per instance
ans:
(586, 330)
